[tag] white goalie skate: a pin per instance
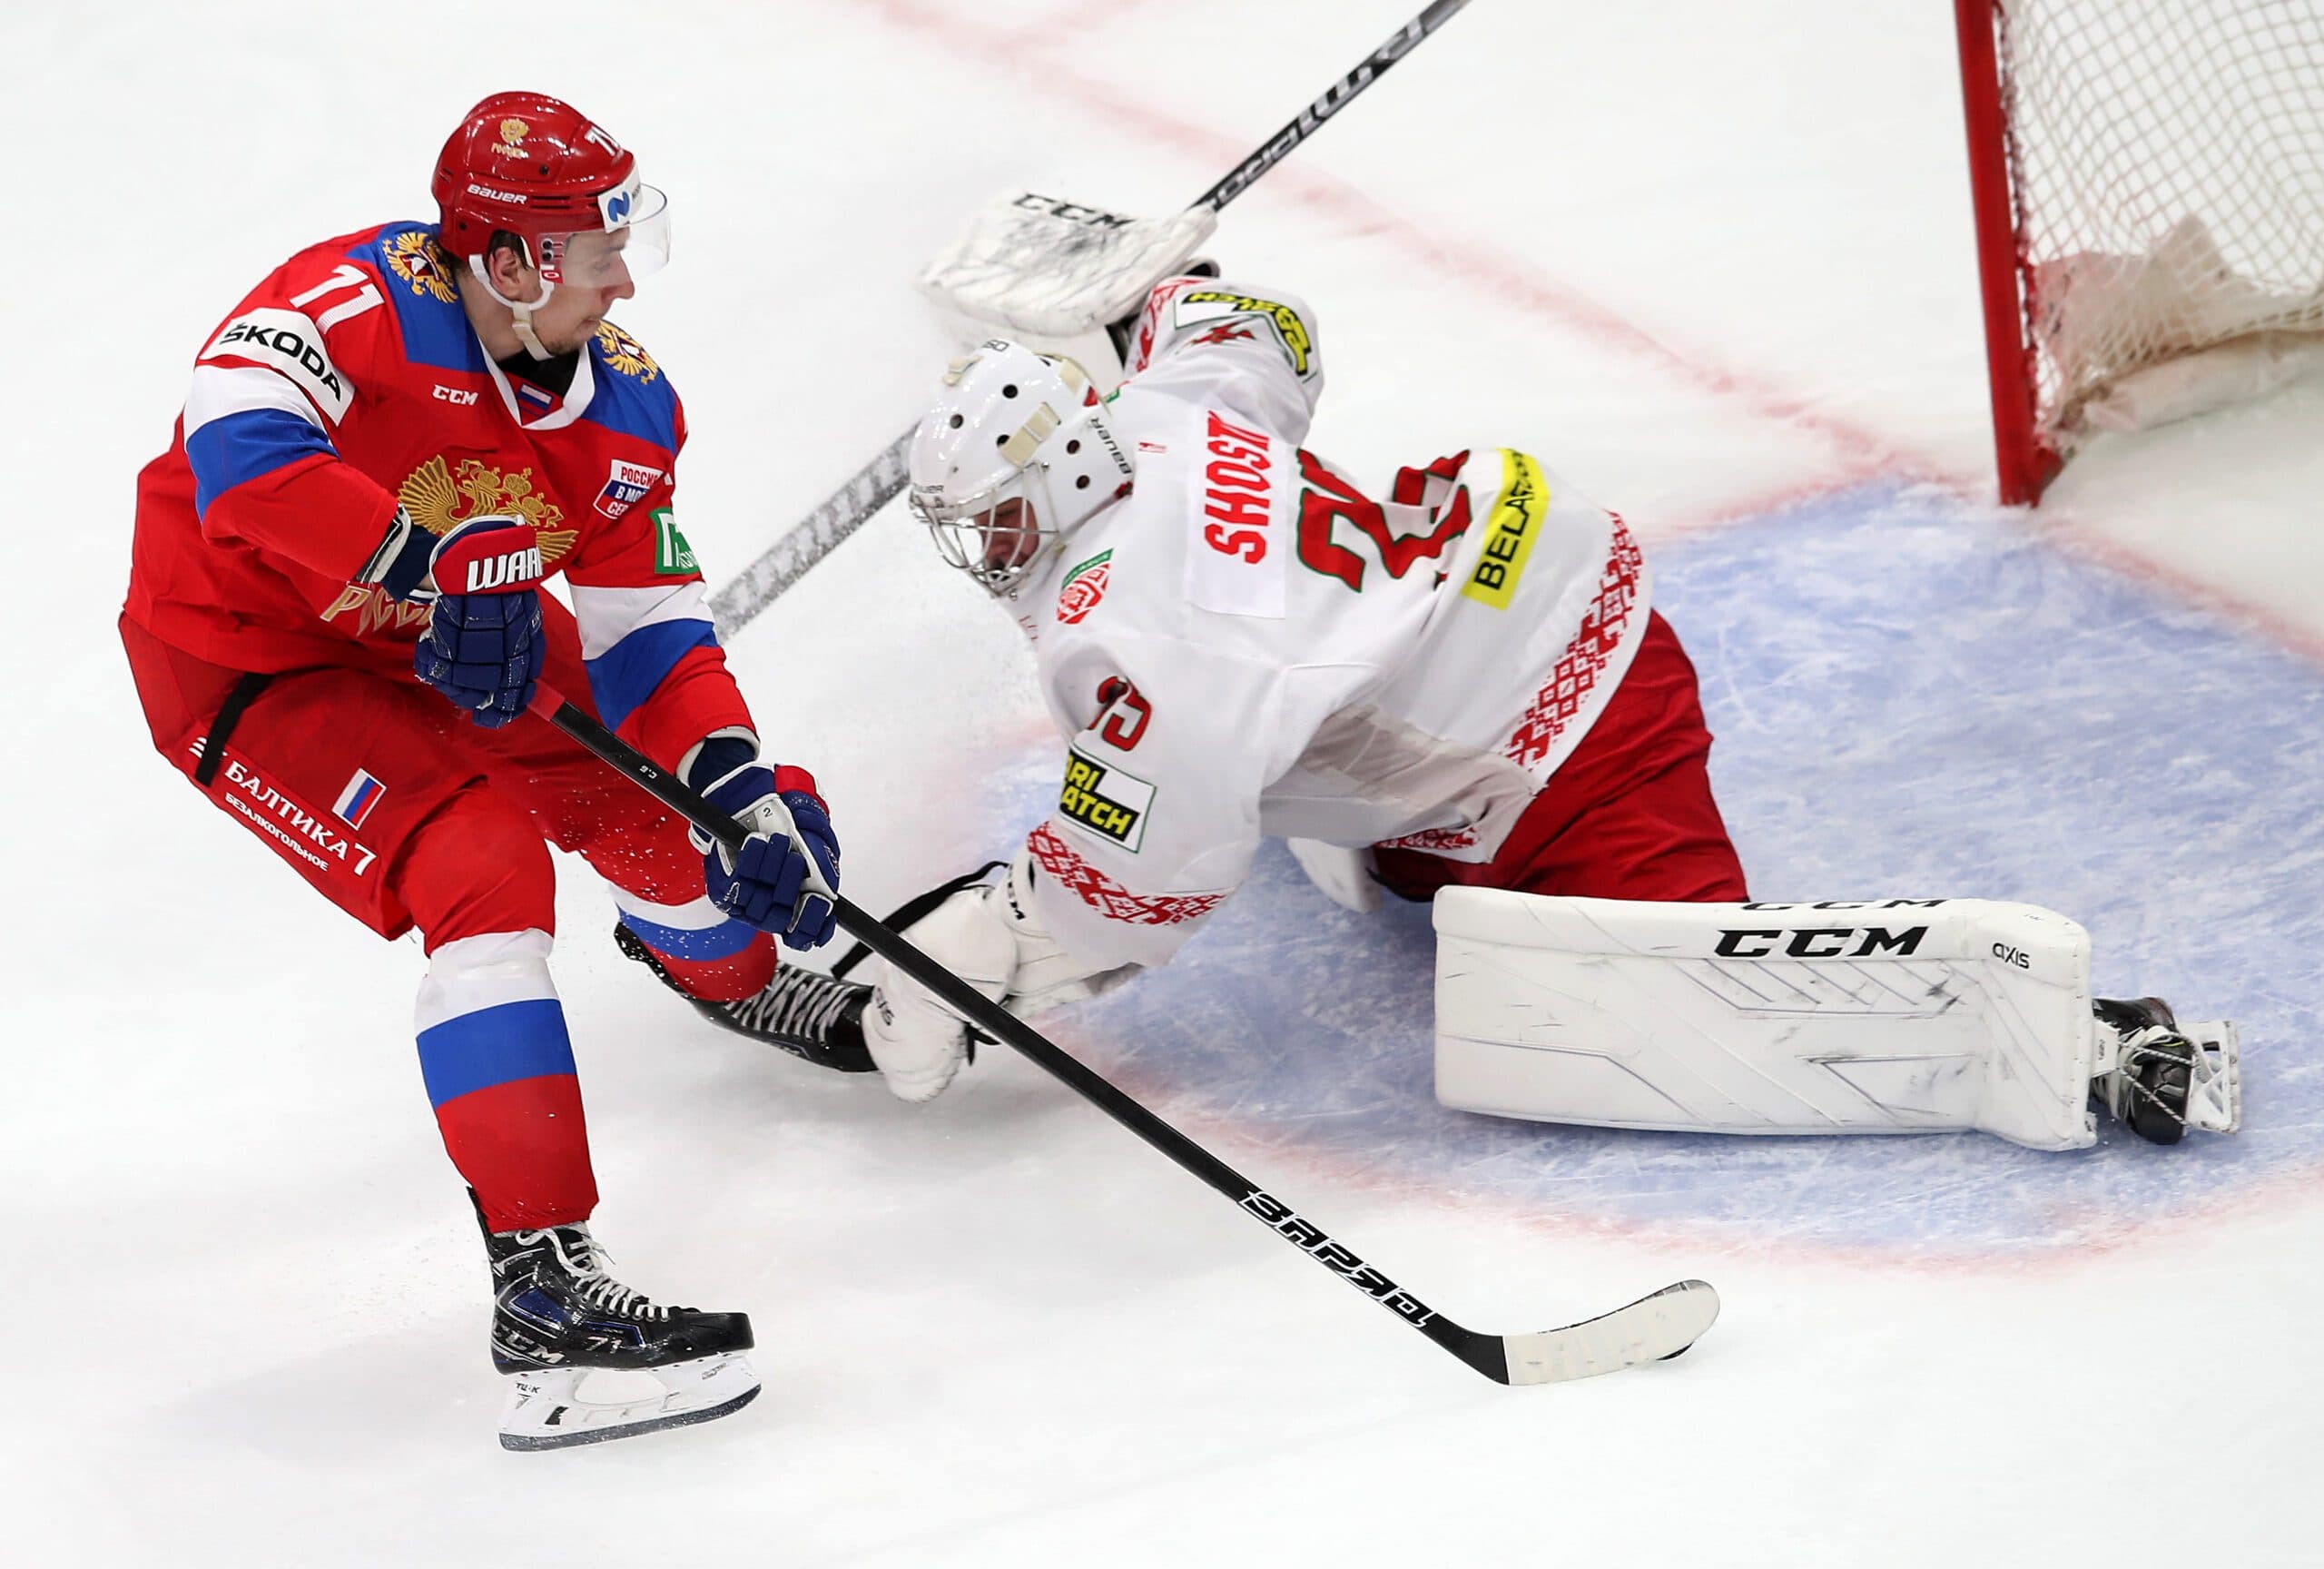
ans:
(2159, 1076)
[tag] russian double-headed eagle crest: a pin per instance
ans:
(626, 353)
(512, 136)
(440, 502)
(415, 257)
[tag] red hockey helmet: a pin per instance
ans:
(539, 169)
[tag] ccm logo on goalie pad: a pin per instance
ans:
(1105, 801)
(1822, 942)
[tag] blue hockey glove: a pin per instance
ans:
(483, 646)
(784, 877)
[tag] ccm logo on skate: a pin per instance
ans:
(1821, 942)
(1308, 1234)
(1234, 491)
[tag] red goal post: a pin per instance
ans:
(2148, 182)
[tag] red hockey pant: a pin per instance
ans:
(1628, 815)
(405, 814)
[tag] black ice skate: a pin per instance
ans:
(558, 1318)
(2165, 1077)
(813, 1017)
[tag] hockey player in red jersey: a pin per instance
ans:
(335, 624)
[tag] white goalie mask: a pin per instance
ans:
(1014, 455)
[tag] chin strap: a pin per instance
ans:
(520, 313)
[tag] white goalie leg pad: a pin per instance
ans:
(550, 1408)
(1883, 1016)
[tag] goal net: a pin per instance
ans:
(2149, 177)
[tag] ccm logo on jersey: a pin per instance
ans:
(286, 342)
(1105, 801)
(1821, 942)
(457, 395)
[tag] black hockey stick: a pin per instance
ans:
(883, 480)
(1652, 1328)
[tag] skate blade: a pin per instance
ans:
(2215, 1086)
(546, 1408)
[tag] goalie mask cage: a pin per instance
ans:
(2148, 178)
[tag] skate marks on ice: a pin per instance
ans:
(1911, 698)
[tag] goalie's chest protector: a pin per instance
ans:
(1465, 632)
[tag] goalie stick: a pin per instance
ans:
(1652, 1328)
(881, 481)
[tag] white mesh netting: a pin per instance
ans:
(2169, 182)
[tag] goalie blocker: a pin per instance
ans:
(1888, 1016)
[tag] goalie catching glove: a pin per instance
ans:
(985, 935)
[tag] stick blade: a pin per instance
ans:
(1648, 1330)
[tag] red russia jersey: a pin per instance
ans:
(350, 382)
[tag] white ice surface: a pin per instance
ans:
(1709, 260)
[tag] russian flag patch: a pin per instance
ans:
(355, 801)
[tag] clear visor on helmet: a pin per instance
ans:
(995, 536)
(634, 242)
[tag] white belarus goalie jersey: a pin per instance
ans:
(1248, 645)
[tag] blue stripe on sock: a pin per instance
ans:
(722, 940)
(494, 1046)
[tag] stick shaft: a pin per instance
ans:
(1481, 1352)
(1336, 97)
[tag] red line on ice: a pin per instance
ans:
(1862, 452)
